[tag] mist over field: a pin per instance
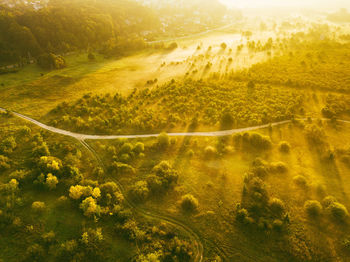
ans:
(174, 130)
(314, 4)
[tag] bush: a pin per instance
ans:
(189, 203)
(315, 134)
(284, 147)
(91, 57)
(257, 141)
(227, 121)
(90, 207)
(242, 214)
(328, 200)
(51, 181)
(139, 148)
(140, 191)
(172, 46)
(4, 162)
(278, 167)
(163, 140)
(38, 206)
(223, 46)
(300, 181)
(51, 61)
(277, 206)
(277, 225)
(338, 211)
(313, 208)
(210, 152)
(126, 149)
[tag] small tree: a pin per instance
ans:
(277, 207)
(338, 211)
(38, 206)
(51, 181)
(163, 140)
(227, 121)
(189, 203)
(140, 191)
(91, 56)
(313, 208)
(284, 147)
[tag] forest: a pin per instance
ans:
(113, 27)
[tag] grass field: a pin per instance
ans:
(217, 183)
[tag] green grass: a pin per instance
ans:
(218, 183)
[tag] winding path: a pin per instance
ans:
(152, 214)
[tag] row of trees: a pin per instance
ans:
(224, 104)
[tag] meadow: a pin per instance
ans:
(279, 193)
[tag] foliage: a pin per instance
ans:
(313, 208)
(178, 104)
(189, 203)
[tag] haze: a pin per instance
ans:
(287, 3)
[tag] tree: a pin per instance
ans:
(338, 211)
(227, 121)
(90, 207)
(140, 191)
(4, 162)
(163, 140)
(38, 206)
(91, 56)
(51, 181)
(76, 192)
(139, 148)
(210, 152)
(51, 61)
(313, 208)
(189, 203)
(284, 147)
(277, 207)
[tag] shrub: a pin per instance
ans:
(277, 225)
(278, 167)
(227, 121)
(313, 208)
(315, 134)
(140, 191)
(242, 214)
(172, 46)
(125, 149)
(277, 206)
(210, 152)
(90, 207)
(284, 147)
(163, 140)
(301, 181)
(338, 211)
(38, 206)
(189, 203)
(328, 200)
(91, 56)
(257, 141)
(4, 162)
(51, 61)
(51, 181)
(223, 46)
(139, 148)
